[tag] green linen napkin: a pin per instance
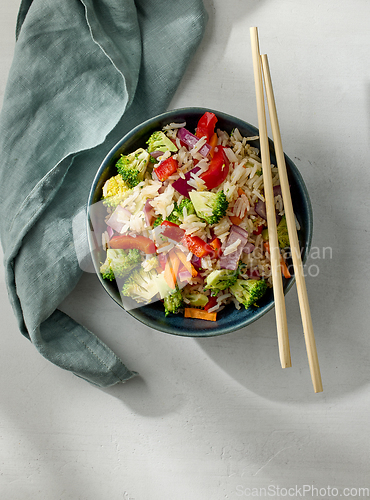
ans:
(84, 73)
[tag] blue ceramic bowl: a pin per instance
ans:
(229, 319)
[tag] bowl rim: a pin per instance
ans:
(137, 312)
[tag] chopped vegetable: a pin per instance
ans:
(216, 245)
(259, 230)
(196, 299)
(191, 140)
(248, 247)
(209, 206)
(132, 167)
(118, 218)
(217, 170)
(235, 219)
(260, 209)
(187, 204)
(191, 312)
(119, 263)
(115, 190)
(182, 186)
(197, 246)
(126, 241)
(173, 302)
(158, 141)
(247, 292)
(220, 279)
(188, 265)
(282, 233)
(166, 168)
(141, 286)
(284, 267)
(212, 301)
(149, 213)
(213, 144)
(230, 260)
(172, 231)
(206, 126)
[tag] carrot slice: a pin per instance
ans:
(284, 268)
(191, 312)
(235, 219)
(283, 265)
(187, 264)
(175, 264)
(168, 276)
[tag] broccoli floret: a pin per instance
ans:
(282, 233)
(173, 302)
(247, 292)
(173, 217)
(151, 263)
(141, 285)
(119, 263)
(220, 279)
(197, 299)
(132, 167)
(209, 206)
(115, 190)
(158, 221)
(186, 203)
(158, 141)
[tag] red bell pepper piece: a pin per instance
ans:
(217, 170)
(162, 259)
(197, 246)
(212, 301)
(258, 230)
(172, 231)
(166, 168)
(125, 241)
(216, 245)
(206, 126)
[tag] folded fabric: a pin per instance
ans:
(83, 74)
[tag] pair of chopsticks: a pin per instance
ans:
(262, 72)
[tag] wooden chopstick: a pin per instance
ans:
(292, 231)
(277, 282)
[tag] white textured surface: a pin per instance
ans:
(211, 419)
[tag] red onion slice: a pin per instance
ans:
(190, 140)
(197, 263)
(248, 247)
(231, 260)
(277, 190)
(110, 231)
(155, 154)
(184, 276)
(253, 273)
(240, 231)
(260, 209)
(149, 213)
(119, 213)
(182, 186)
